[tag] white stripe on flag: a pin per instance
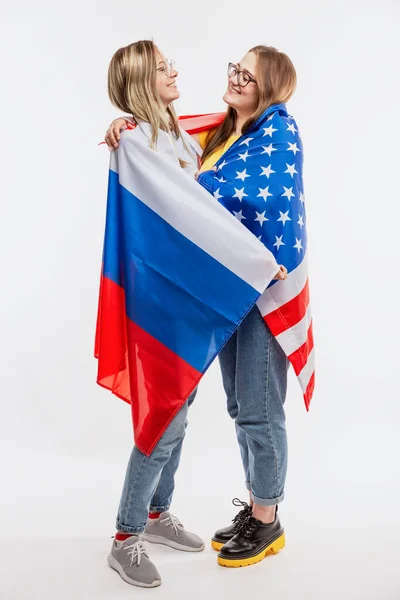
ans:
(291, 339)
(307, 371)
(195, 213)
(284, 291)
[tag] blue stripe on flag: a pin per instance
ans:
(164, 273)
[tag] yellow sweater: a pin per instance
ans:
(216, 155)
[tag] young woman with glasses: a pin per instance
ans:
(142, 82)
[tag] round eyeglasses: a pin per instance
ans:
(166, 67)
(243, 77)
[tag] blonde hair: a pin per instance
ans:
(132, 87)
(276, 80)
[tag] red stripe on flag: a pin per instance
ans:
(309, 391)
(160, 382)
(290, 313)
(196, 123)
(111, 344)
(300, 356)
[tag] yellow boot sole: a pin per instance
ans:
(273, 548)
(216, 545)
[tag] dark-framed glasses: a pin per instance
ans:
(243, 77)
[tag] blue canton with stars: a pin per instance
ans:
(259, 180)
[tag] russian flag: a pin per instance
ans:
(179, 275)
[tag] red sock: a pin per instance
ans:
(121, 537)
(154, 515)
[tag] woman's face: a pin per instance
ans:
(166, 80)
(244, 99)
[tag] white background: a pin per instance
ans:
(64, 441)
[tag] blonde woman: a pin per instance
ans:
(142, 82)
(252, 164)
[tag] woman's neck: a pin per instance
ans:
(240, 121)
(167, 119)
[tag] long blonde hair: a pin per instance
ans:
(132, 87)
(276, 80)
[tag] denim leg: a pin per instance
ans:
(261, 383)
(162, 497)
(227, 360)
(143, 474)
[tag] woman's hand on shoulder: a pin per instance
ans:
(113, 133)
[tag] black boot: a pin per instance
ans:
(224, 535)
(253, 541)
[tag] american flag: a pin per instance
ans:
(259, 179)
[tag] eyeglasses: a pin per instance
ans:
(243, 77)
(167, 67)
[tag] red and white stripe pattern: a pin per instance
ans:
(286, 309)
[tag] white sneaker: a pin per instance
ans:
(168, 530)
(132, 562)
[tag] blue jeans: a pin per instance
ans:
(150, 480)
(254, 372)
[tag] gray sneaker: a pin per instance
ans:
(132, 562)
(168, 530)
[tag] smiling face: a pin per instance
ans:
(166, 80)
(244, 99)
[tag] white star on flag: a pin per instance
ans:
(302, 197)
(284, 217)
(241, 175)
(239, 215)
(244, 156)
(267, 171)
(217, 195)
(268, 149)
(264, 193)
(261, 218)
(298, 245)
(246, 142)
(222, 165)
(288, 193)
(293, 148)
(279, 242)
(291, 128)
(269, 130)
(291, 169)
(239, 194)
(300, 221)
(221, 180)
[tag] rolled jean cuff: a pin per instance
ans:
(128, 529)
(267, 501)
(160, 509)
(248, 486)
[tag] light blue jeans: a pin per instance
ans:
(254, 372)
(150, 480)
